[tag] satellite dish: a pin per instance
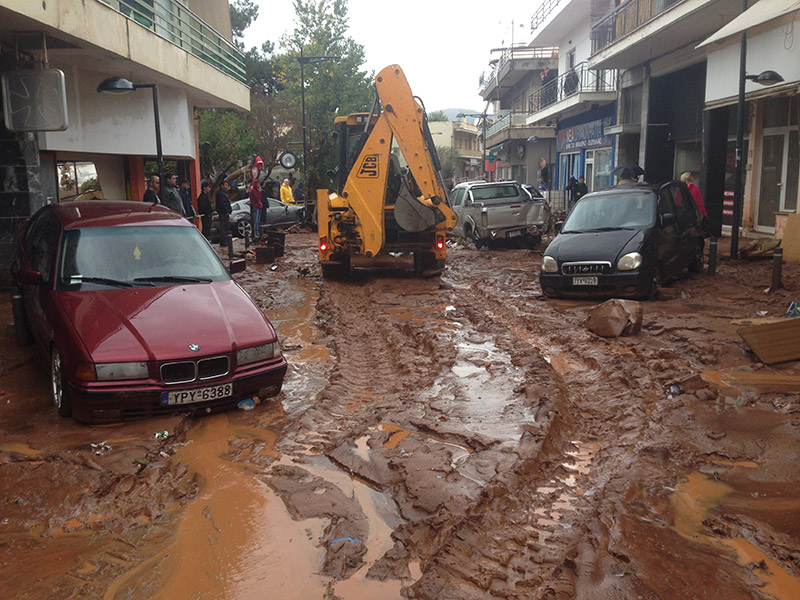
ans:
(35, 100)
(288, 160)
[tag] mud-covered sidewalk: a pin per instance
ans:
(445, 438)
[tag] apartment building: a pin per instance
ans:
(58, 130)
(467, 141)
(516, 149)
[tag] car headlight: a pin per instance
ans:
(119, 371)
(629, 262)
(549, 265)
(258, 353)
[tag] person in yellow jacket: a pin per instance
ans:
(286, 192)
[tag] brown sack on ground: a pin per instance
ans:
(615, 317)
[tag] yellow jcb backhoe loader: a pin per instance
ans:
(390, 195)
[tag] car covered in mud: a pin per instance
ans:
(136, 314)
(500, 210)
(625, 242)
(274, 215)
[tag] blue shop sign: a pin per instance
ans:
(585, 135)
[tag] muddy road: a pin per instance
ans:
(447, 438)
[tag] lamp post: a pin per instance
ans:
(482, 117)
(307, 60)
(120, 85)
(763, 78)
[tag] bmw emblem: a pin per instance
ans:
(194, 347)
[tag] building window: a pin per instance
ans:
(632, 105)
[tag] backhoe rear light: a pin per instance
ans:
(323, 244)
(439, 242)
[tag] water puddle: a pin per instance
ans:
(383, 517)
(692, 501)
(235, 538)
(20, 448)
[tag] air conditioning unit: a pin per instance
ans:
(35, 100)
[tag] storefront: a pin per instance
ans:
(582, 148)
(771, 152)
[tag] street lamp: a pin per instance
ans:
(307, 60)
(119, 85)
(482, 117)
(764, 78)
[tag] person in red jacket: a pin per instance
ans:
(255, 208)
(695, 191)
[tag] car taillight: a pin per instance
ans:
(439, 242)
(323, 244)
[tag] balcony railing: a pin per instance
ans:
(541, 14)
(171, 20)
(506, 121)
(519, 53)
(580, 80)
(625, 18)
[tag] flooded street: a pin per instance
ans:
(443, 438)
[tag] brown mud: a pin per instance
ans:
(445, 438)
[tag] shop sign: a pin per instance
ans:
(585, 135)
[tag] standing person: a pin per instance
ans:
(572, 188)
(205, 209)
(286, 192)
(172, 197)
(223, 205)
(548, 92)
(571, 82)
(695, 191)
(186, 198)
(581, 189)
(255, 209)
(151, 194)
(299, 193)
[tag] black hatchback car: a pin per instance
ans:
(624, 242)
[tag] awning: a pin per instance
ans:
(495, 149)
(761, 12)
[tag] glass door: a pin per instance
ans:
(771, 181)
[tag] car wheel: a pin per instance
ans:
(244, 227)
(476, 239)
(426, 264)
(696, 266)
(59, 392)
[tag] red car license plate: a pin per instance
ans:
(197, 395)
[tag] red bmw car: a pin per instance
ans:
(137, 315)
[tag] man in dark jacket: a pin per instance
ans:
(171, 198)
(151, 193)
(581, 189)
(186, 198)
(205, 209)
(223, 205)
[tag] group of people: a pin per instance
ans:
(177, 197)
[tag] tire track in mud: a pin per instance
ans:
(553, 499)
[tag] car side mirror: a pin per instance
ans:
(559, 225)
(237, 266)
(668, 219)
(27, 277)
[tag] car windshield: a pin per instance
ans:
(611, 211)
(102, 257)
(494, 192)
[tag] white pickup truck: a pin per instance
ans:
(501, 210)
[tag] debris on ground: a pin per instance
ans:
(615, 317)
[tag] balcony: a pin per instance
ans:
(172, 21)
(567, 94)
(638, 31)
(625, 18)
(514, 64)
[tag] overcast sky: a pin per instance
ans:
(443, 46)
